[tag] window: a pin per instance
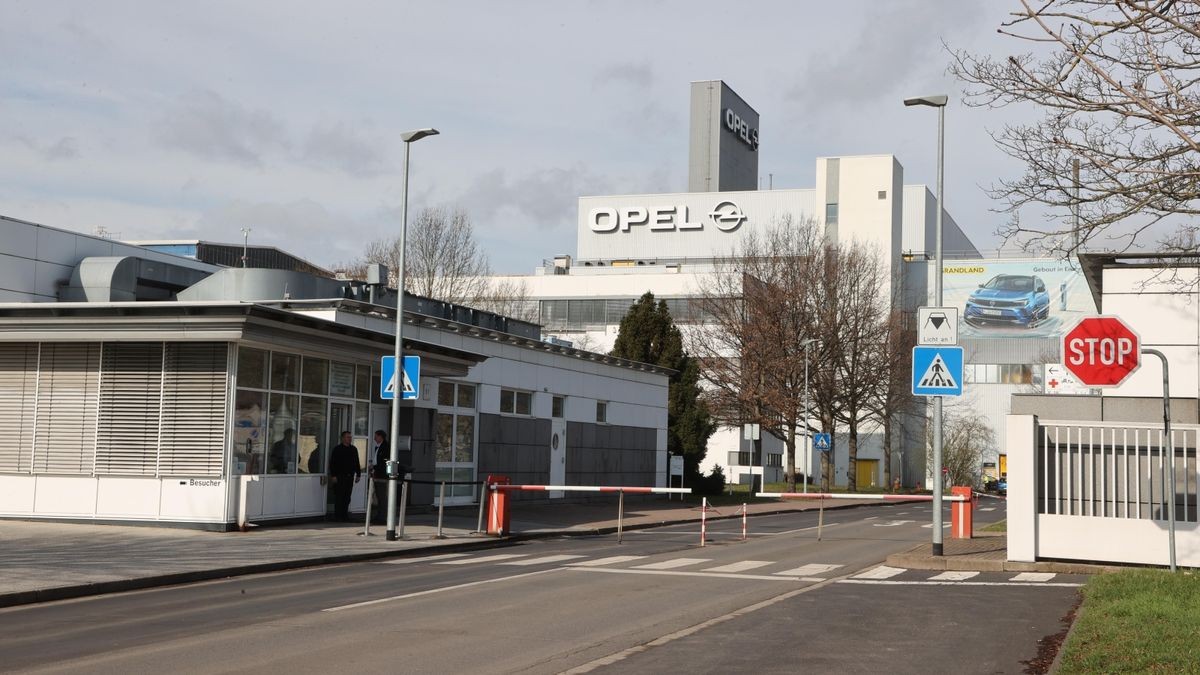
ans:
(602, 412)
(739, 458)
(312, 435)
(516, 402)
(556, 407)
(466, 396)
(883, 194)
(18, 387)
(831, 214)
(130, 388)
(446, 393)
(282, 456)
(774, 459)
(315, 378)
(341, 380)
(362, 383)
(249, 432)
(285, 372)
(252, 368)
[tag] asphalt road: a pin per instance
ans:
(658, 602)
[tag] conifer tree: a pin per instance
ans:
(648, 334)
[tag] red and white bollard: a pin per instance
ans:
(703, 519)
(743, 521)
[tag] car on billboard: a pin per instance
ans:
(1016, 299)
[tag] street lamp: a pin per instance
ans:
(245, 246)
(938, 102)
(807, 445)
(409, 137)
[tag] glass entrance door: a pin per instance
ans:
(341, 417)
(454, 436)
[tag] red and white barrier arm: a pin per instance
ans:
(593, 488)
(842, 495)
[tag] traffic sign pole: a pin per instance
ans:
(1168, 444)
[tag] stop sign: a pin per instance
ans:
(1101, 351)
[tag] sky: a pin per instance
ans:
(192, 120)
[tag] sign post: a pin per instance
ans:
(1103, 351)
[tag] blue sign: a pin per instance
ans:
(411, 379)
(822, 442)
(937, 371)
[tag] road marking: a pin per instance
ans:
(870, 518)
(740, 566)
(1033, 576)
(808, 570)
(684, 632)
(945, 526)
(611, 560)
(545, 560)
(431, 591)
(674, 573)
(806, 529)
(673, 563)
(953, 576)
(881, 572)
(484, 559)
(988, 508)
(428, 558)
(891, 582)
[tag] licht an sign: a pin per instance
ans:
(725, 215)
(739, 127)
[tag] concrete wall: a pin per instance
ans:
(718, 160)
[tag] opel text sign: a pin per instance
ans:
(741, 129)
(1102, 351)
(725, 216)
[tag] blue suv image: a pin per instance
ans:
(1009, 298)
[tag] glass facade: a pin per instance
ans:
(281, 411)
(455, 438)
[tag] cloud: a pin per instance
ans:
(637, 75)
(66, 148)
(545, 197)
(207, 125)
(356, 149)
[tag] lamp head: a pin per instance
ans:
(939, 101)
(417, 134)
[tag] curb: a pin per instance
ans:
(193, 576)
(910, 559)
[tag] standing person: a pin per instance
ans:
(379, 474)
(343, 466)
(283, 454)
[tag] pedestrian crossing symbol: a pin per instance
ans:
(410, 377)
(937, 371)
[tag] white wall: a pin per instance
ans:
(1163, 306)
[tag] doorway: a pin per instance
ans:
(558, 455)
(341, 418)
(865, 472)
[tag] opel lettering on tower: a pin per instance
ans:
(741, 129)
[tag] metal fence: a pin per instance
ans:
(1116, 470)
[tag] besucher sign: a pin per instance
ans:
(1101, 351)
(725, 216)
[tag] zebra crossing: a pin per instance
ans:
(771, 570)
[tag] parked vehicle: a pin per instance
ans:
(1016, 299)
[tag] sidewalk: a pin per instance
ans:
(986, 552)
(41, 561)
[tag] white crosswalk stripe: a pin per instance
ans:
(672, 564)
(545, 560)
(484, 559)
(741, 566)
(1033, 576)
(881, 572)
(953, 576)
(611, 560)
(808, 570)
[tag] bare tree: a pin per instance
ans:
(893, 404)
(1114, 82)
(966, 437)
(444, 262)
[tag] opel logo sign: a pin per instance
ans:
(727, 216)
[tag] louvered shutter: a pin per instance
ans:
(18, 394)
(68, 392)
(130, 392)
(193, 411)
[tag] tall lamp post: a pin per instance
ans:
(409, 137)
(938, 102)
(807, 444)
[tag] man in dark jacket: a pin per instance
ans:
(344, 472)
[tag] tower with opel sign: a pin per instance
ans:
(723, 140)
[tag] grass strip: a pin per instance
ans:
(1137, 621)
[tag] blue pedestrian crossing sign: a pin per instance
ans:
(822, 442)
(410, 382)
(937, 371)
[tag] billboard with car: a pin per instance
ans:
(1016, 298)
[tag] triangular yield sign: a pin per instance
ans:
(937, 375)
